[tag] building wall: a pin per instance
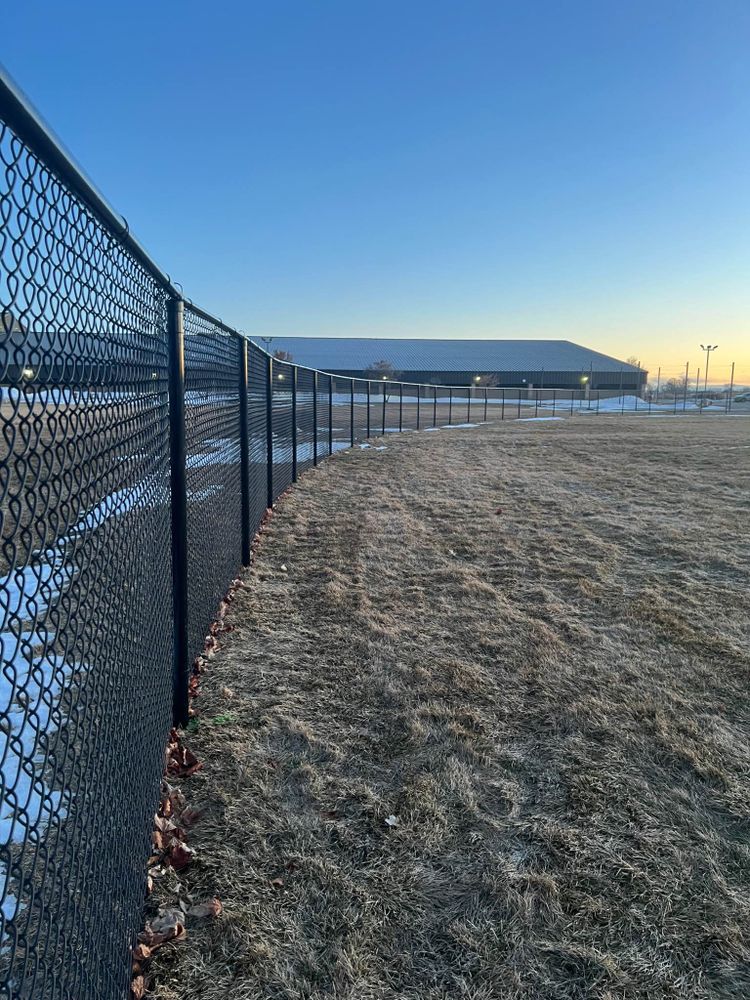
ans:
(630, 381)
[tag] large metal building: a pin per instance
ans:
(554, 364)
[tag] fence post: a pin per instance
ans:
(450, 406)
(244, 455)
(269, 431)
(384, 401)
(315, 418)
(400, 407)
(294, 424)
(536, 402)
(178, 483)
(731, 391)
(351, 412)
(330, 414)
(572, 391)
(554, 401)
(502, 407)
(598, 397)
(468, 406)
(434, 407)
(519, 404)
(419, 396)
(485, 404)
(368, 408)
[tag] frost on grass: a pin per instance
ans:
(531, 649)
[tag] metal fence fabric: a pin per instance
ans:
(212, 463)
(359, 412)
(85, 597)
(341, 413)
(306, 411)
(257, 444)
(283, 426)
(324, 413)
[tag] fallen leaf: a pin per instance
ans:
(191, 816)
(180, 855)
(211, 908)
(138, 988)
(167, 922)
(277, 883)
(141, 953)
(181, 762)
(163, 823)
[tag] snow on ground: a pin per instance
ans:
(529, 420)
(634, 404)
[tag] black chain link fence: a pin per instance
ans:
(85, 588)
(142, 442)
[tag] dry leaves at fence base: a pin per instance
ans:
(211, 908)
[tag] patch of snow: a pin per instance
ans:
(225, 451)
(528, 420)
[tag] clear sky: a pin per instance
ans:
(541, 168)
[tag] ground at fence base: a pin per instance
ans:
(479, 729)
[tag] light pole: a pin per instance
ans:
(708, 348)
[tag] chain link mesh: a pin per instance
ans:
(85, 600)
(257, 363)
(324, 415)
(306, 419)
(212, 462)
(282, 423)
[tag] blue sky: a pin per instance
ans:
(542, 169)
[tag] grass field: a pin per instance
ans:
(481, 729)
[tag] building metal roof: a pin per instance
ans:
(359, 353)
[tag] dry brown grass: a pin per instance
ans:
(529, 642)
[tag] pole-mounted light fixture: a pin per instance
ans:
(707, 348)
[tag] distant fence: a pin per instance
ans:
(143, 440)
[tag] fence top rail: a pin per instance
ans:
(30, 127)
